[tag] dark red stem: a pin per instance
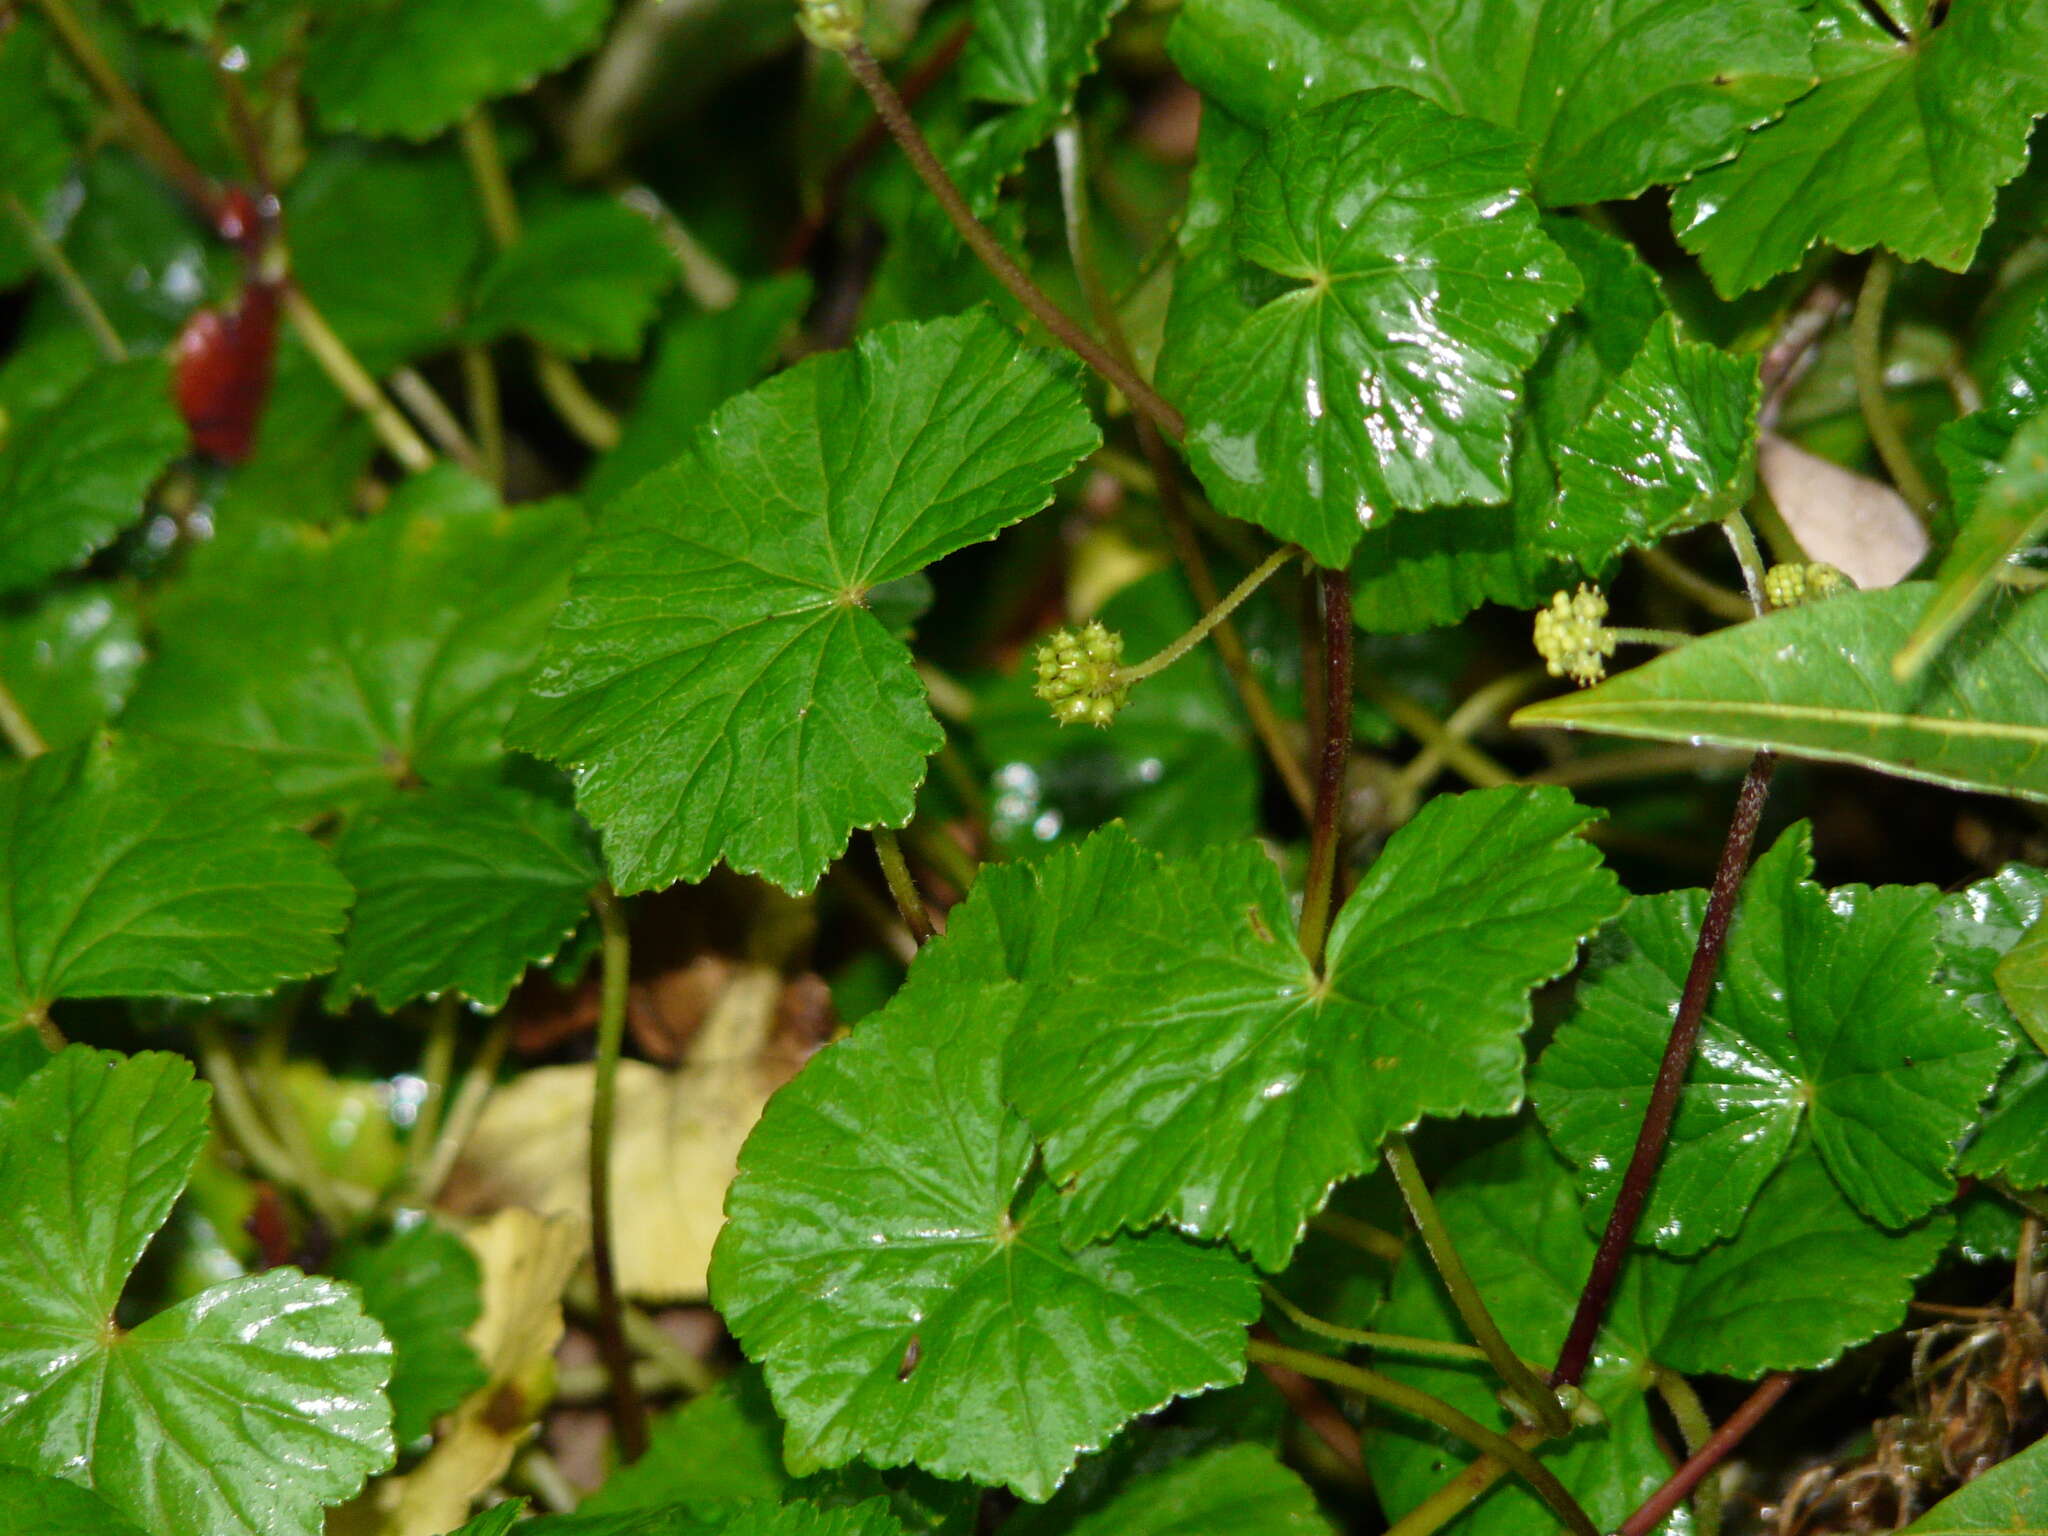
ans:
(1709, 1456)
(1671, 1073)
(1319, 889)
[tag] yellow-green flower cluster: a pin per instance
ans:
(1077, 675)
(833, 25)
(1787, 586)
(1572, 638)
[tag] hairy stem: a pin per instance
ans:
(1462, 1491)
(911, 140)
(1696, 1429)
(1326, 840)
(1524, 1382)
(1659, 1505)
(1231, 602)
(903, 889)
(144, 132)
(1866, 337)
(1166, 486)
(1671, 1073)
(77, 297)
(629, 1411)
(1394, 1394)
(1742, 539)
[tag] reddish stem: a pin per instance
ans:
(1671, 1072)
(1681, 1483)
(1319, 889)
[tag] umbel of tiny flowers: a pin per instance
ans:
(1572, 637)
(833, 25)
(1787, 586)
(1078, 674)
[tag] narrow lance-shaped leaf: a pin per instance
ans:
(182, 1421)
(1823, 1013)
(2009, 514)
(1946, 111)
(717, 683)
(132, 867)
(896, 1266)
(1816, 681)
(1612, 98)
(1193, 1067)
(1403, 285)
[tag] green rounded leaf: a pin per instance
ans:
(181, 1422)
(1193, 1067)
(584, 279)
(1824, 1012)
(716, 682)
(459, 890)
(350, 664)
(897, 1269)
(1816, 681)
(46, 1506)
(75, 474)
(1403, 285)
(70, 659)
(1950, 108)
(1612, 98)
(137, 867)
(410, 68)
(423, 1287)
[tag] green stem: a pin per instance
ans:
(911, 140)
(901, 887)
(629, 1411)
(16, 726)
(580, 411)
(1389, 1343)
(486, 418)
(1370, 1384)
(420, 397)
(354, 381)
(51, 258)
(1663, 639)
(1326, 838)
(237, 1109)
(1683, 579)
(1524, 1383)
(1866, 339)
(437, 1065)
(1462, 1491)
(1381, 1244)
(144, 131)
(1481, 709)
(1160, 660)
(464, 1112)
(1695, 1429)
(937, 848)
(654, 1341)
(38, 1018)
(1743, 541)
(1415, 718)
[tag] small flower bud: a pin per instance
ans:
(1787, 586)
(833, 25)
(1571, 638)
(1077, 675)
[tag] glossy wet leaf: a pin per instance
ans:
(2009, 1500)
(1951, 108)
(1672, 444)
(585, 279)
(1414, 572)
(1816, 681)
(49, 1506)
(2023, 983)
(1359, 346)
(181, 1421)
(1236, 1490)
(1971, 447)
(135, 867)
(2009, 513)
(1989, 946)
(410, 68)
(1026, 58)
(1192, 1068)
(1822, 1277)
(349, 664)
(70, 658)
(1611, 99)
(725, 1445)
(1823, 1014)
(76, 474)
(459, 890)
(715, 683)
(897, 1287)
(796, 1518)
(701, 360)
(423, 1287)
